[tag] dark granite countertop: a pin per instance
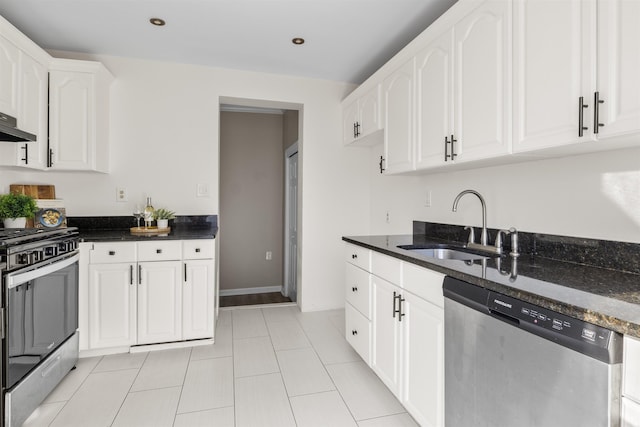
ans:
(99, 229)
(602, 296)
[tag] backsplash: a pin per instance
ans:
(620, 256)
(125, 222)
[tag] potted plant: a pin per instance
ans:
(16, 208)
(162, 217)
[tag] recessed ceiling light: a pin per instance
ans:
(297, 40)
(157, 21)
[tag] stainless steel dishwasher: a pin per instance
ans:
(510, 363)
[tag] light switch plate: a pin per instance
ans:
(202, 190)
(121, 194)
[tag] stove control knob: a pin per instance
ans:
(50, 251)
(22, 258)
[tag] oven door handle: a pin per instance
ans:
(17, 278)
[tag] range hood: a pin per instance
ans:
(9, 131)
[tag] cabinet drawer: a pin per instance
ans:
(631, 369)
(198, 249)
(358, 332)
(358, 289)
(359, 256)
(159, 251)
(425, 283)
(387, 267)
(107, 253)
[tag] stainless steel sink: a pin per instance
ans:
(443, 252)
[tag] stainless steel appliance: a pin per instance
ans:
(39, 316)
(511, 363)
(9, 130)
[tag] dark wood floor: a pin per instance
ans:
(253, 299)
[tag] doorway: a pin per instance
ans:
(255, 237)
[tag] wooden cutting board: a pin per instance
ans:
(35, 191)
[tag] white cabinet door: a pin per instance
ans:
(34, 111)
(553, 68)
(79, 115)
(397, 92)
(159, 302)
(369, 105)
(9, 77)
(619, 67)
(630, 413)
(434, 95)
(197, 299)
(71, 120)
(482, 92)
(350, 118)
(386, 333)
(423, 361)
(112, 305)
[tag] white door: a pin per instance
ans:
(385, 334)
(112, 305)
(397, 92)
(423, 361)
(482, 96)
(434, 109)
(34, 92)
(291, 226)
(553, 44)
(197, 299)
(159, 302)
(619, 67)
(9, 75)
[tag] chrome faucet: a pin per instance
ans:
(484, 237)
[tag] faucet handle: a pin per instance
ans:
(472, 234)
(514, 242)
(498, 242)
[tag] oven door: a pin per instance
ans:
(41, 304)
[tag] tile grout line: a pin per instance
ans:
(129, 391)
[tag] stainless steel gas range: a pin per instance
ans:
(38, 316)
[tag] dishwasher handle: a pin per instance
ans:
(505, 317)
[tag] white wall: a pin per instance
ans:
(164, 141)
(592, 196)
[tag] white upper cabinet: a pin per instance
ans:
(482, 89)
(34, 108)
(9, 76)
(362, 119)
(553, 68)
(576, 67)
(619, 67)
(79, 115)
(397, 93)
(434, 102)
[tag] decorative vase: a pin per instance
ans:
(162, 223)
(15, 222)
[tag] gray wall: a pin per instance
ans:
(251, 199)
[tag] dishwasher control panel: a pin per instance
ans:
(556, 323)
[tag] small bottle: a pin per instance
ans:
(148, 213)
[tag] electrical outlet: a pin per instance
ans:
(121, 194)
(427, 200)
(269, 256)
(387, 219)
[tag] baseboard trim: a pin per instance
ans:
(249, 291)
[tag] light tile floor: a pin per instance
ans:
(270, 367)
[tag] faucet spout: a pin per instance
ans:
(484, 236)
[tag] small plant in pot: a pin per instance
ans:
(162, 217)
(16, 208)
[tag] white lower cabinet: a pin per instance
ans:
(112, 305)
(147, 292)
(159, 302)
(407, 334)
(630, 413)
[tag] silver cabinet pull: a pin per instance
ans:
(596, 112)
(581, 107)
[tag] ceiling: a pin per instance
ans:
(346, 40)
